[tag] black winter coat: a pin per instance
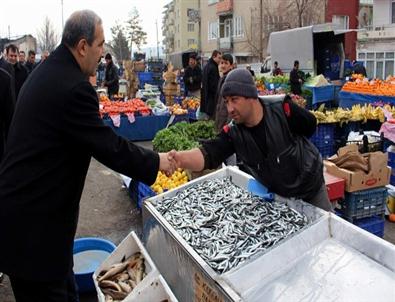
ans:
(111, 79)
(193, 78)
(209, 88)
(55, 131)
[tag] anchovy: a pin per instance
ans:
(226, 224)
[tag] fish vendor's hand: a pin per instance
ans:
(173, 156)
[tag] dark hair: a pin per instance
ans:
(275, 62)
(31, 52)
(228, 57)
(215, 53)
(108, 57)
(22, 52)
(80, 25)
(13, 48)
(296, 63)
(192, 56)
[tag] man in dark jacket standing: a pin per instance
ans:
(111, 77)
(270, 138)
(31, 61)
(55, 131)
(20, 71)
(193, 77)
(295, 79)
(208, 102)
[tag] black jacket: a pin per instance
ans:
(29, 66)
(193, 78)
(296, 85)
(221, 112)
(21, 74)
(6, 106)
(209, 87)
(55, 131)
(111, 79)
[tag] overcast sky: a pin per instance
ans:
(27, 16)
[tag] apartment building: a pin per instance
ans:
(376, 41)
(180, 28)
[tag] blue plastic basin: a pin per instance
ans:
(89, 253)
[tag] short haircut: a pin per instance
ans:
(296, 63)
(108, 57)
(228, 57)
(215, 53)
(80, 25)
(192, 56)
(11, 47)
(22, 52)
(275, 62)
(31, 52)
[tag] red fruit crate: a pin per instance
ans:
(334, 187)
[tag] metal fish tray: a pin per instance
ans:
(184, 269)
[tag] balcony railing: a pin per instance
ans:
(377, 32)
(224, 7)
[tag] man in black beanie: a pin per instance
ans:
(270, 138)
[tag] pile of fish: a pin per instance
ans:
(120, 279)
(226, 224)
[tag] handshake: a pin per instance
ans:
(172, 160)
(169, 162)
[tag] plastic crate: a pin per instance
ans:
(145, 76)
(324, 139)
(139, 191)
(374, 225)
(364, 203)
(192, 114)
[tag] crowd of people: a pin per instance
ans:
(51, 128)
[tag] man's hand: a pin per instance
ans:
(166, 163)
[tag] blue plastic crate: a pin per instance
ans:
(324, 139)
(143, 192)
(364, 203)
(145, 76)
(374, 225)
(192, 114)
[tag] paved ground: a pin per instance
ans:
(106, 211)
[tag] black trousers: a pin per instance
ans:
(52, 291)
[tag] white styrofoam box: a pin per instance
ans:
(130, 245)
(156, 290)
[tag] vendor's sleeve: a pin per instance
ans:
(216, 150)
(84, 126)
(300, 120)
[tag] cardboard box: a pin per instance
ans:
(378, 176)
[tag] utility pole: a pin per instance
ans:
(260, 31)
(61, 2)
(157, 41)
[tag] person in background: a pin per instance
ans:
(277, 70)
(31, 61)
(221, 113)
(54, 133)
(7, 103)
(20, 71)
(358, 68)
(270, 138)
(22, 57)
(250, 70)
(295, 79)
(210, 81)
(111, 76)
(193, 77)
(121, 70)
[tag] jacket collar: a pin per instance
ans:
(62, 52)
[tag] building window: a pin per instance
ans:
(378, 65)
(212, 2)
(178, 28)
(342, 21)
(238, 27)
(191, 42)
(191, 27)
(393, 12)
(213, 30)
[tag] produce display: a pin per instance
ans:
(279, 79)
(225, 224)
(177, 110)
(135, 106)
(118, 281)
(373, 87)
(317, 81)
(164, 183)
(357, 113)
(183, 136)
(191, 102)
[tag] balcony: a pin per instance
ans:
(225, 44)
(377, 33)
(224, 7)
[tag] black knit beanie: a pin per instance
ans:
(239, 82)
